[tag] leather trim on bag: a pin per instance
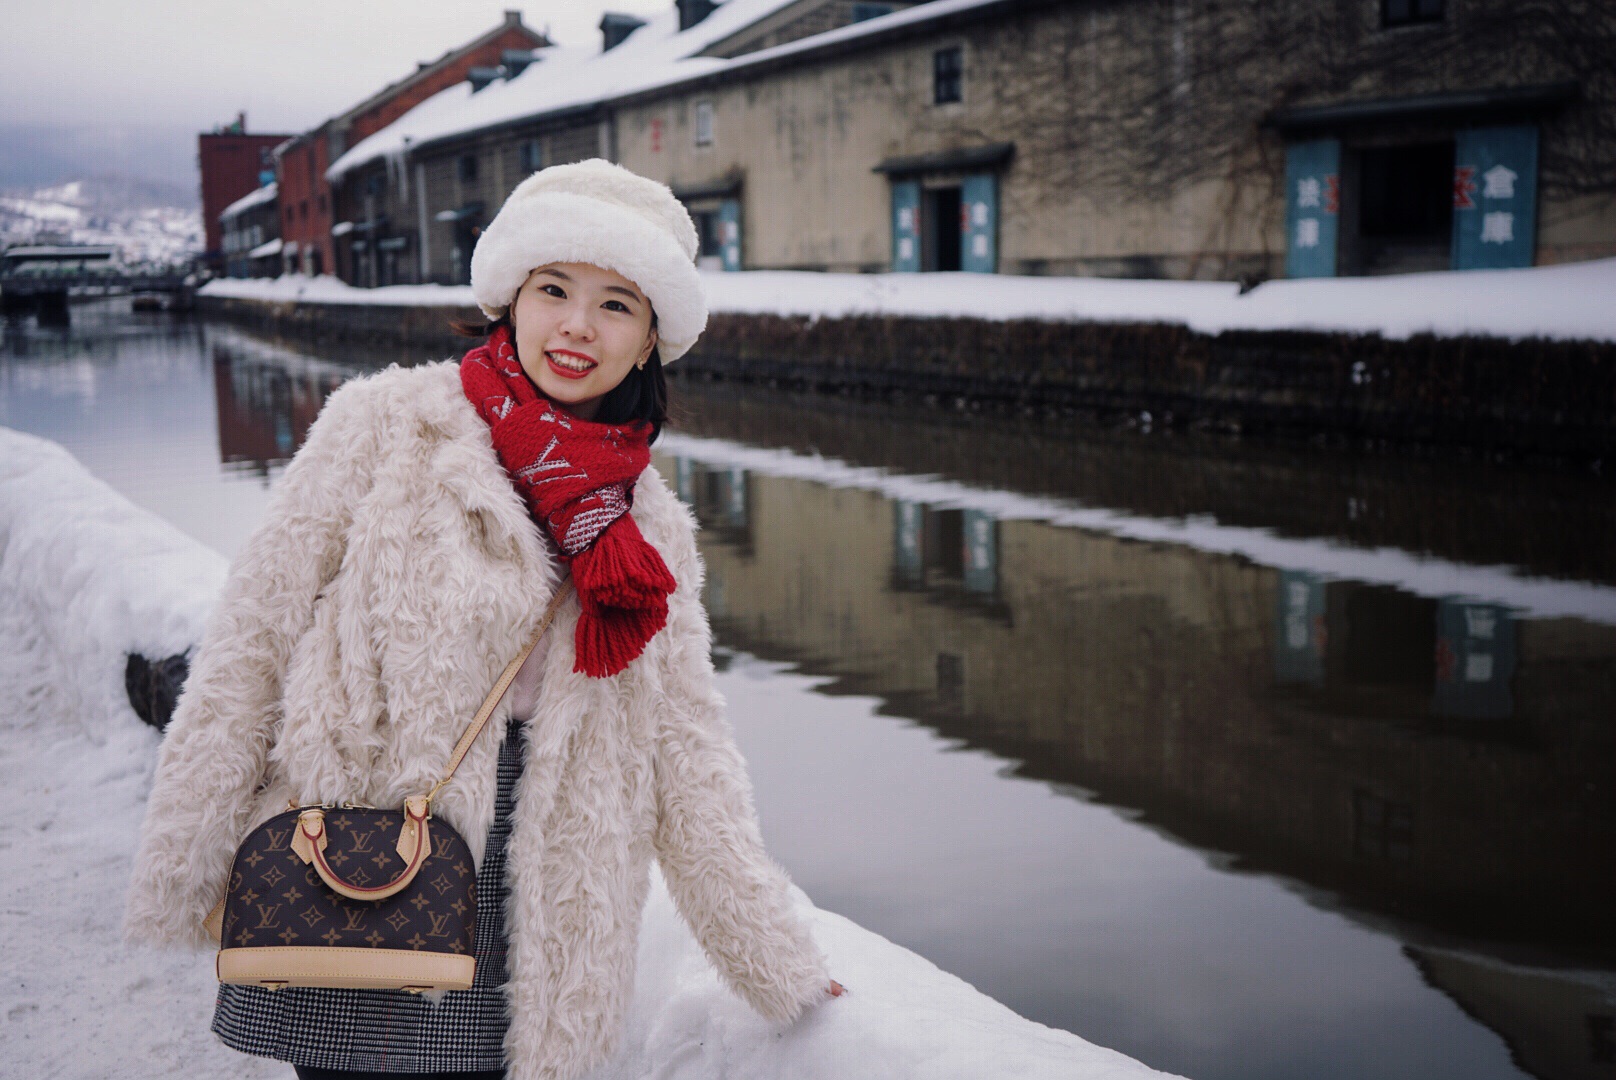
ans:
(304, 965)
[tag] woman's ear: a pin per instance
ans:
(650, 343)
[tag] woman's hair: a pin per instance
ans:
(642, 395)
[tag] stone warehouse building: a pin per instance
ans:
(1134, 138)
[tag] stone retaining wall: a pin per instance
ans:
(1529, 398)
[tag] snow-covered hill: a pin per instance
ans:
(148, 222)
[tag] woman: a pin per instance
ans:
(409, 550)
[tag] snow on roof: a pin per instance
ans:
(247, 202)
(653, 55)
(266, 249)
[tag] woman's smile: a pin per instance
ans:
(569, 364)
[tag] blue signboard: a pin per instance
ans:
(1495, 197)
(979, 220)
(906, 226)
(981, 553)
(1312, 207)
(1475, 661)
(908, 557)
(1300, 637)
(729, 233)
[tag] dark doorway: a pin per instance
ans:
(1399, 213)
(940, 229)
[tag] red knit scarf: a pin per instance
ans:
(577, 478)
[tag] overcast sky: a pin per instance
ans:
(195, 63)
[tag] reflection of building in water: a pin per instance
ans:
(1559, 1025)
(265, 406)
(1432, 759)
(1392, 653)
(1347, 735)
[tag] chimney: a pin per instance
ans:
(615, 26)
(515, 61)
(480, 77)
(692, 12)
(513, 17)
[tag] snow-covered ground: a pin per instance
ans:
(1569, 302)
(85, 577)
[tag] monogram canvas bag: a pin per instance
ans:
(341, 894)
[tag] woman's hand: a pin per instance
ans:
(835, 989)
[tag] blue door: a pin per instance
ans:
(1312, 207)
(1495, 197)
(906, 227)
(729, 233)
(908, 556)
(979, 224)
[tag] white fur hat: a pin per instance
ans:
(598, 213)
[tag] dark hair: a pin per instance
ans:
(642, 395)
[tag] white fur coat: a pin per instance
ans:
(361, 626)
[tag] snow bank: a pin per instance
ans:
(85, 576)
(1567, 302)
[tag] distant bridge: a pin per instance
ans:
(37, 279)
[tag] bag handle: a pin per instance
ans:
(492, 701)
(412, 844)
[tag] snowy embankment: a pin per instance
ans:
(85, 578)
(1569, 302)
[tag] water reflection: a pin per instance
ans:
(1434, 760)
(1385, 684)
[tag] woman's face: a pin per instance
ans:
(579, 328)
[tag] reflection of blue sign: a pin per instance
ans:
(1475, 660)
(1312, 207)
(1495, 197)
(1300, 639)
(908, 557)
(981, 552)
(735, 498)
(684, 480)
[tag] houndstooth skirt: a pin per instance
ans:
(393, 1030)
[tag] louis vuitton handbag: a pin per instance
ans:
(346, 895)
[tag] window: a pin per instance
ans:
(532, 157)
(704, 123)
(947, 66)
(468, 168)
(870, 11)
(1408, 12)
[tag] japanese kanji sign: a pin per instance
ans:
(1312, 207)
(1495, 197)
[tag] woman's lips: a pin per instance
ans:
(568, 372)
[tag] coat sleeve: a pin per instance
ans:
(735, 898)
(214, 750)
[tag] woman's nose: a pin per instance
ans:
(577, 322)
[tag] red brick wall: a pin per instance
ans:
(385, 112)
(306, 199)
(229, 166)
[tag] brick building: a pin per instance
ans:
(300, 165)
(232, 163)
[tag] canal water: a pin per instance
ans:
(1249, 762)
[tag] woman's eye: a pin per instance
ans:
(619, 303)
(557, 288)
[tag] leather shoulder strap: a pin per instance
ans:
(491, 702)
